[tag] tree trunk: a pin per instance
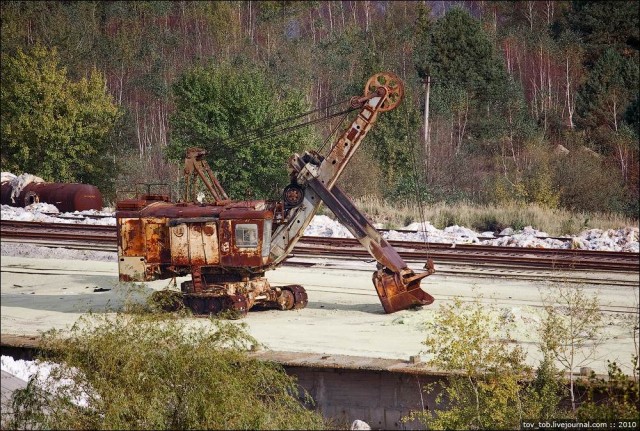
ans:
(367, 6)
(570, 105)
(313, 27)
(353, 11)
(529, 14)
(427, 142)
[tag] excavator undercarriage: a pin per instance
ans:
(227, 246)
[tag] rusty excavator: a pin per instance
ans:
(227, 246)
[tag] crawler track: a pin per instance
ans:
(104, 237)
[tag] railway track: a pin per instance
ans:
(86, 235)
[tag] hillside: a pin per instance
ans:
(529, 102)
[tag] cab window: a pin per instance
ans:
(246, 235)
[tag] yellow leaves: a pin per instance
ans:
(471, 341)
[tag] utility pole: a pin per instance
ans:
(427, 137)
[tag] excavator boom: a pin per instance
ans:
(195, 164)
(398, 287)
(314, 176)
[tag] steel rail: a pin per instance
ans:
(536, 257)
(331, 247)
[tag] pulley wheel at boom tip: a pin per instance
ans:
(393, 85)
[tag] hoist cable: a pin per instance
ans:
(260, 133)
(260, 130)
(419, 200)
(289, 129)
(333, 132)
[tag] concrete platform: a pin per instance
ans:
(354, 360)
(343, 317)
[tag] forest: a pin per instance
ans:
(529, 101)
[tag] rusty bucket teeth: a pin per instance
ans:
(395, 295)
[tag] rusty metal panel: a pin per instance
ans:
(194, 244)
(179, 245)
(132, 237)
(245, 213)
(203, 244)
(141, 248)
(210, 244)
(180, 210)
(156, 243)
(245, 239)
(226, 233)
(132, 268)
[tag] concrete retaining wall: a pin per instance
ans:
(380, 398)
(377, 391)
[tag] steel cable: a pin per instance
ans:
(289, 129)
(263, 133)
(419, 200)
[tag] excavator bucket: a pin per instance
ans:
(397, 294)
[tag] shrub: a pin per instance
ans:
(611, 399)
(485, 389)
(148, 371)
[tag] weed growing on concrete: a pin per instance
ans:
(571, 332)
(484, 390)
(613, 399)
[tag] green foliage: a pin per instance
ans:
(151, 372)
(52, 127)
(410, 187)
(611, 399)
(484, 391)
(490, 386)
(393, 140)
(461, 53)
(531, 183)
(548, 390)
(632, 117)
(477, 111)
(609, 90)
(363, 175)
(225, 110)
(67, 27)
(602, 25)
(585, 184)
(496, 68)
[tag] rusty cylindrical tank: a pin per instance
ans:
(66, 197)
